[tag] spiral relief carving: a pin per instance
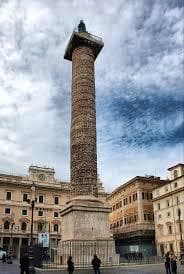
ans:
(83, 124)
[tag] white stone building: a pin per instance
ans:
(168, 204)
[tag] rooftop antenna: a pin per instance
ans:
(155, 172)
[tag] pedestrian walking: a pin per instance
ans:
(96, 262)
(70, 264)
(24, 264)
(167, 261)
(174, 263)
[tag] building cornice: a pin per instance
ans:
(172, 167)
(169, 193)
(138, 179)
(175, 179)
(28, 183)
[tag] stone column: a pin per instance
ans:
(19, 246)
(83, 123)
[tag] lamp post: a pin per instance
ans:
(30, 251)
(9, 261)
(181, 238)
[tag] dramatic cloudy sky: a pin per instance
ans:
(139, 84)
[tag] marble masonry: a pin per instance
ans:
(85, 218)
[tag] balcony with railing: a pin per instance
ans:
(18, 231)
(133, 230)
(88, 34)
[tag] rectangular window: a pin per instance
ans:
(8, 195)
(56, 200)
(25, 197)
(130, 199)
(40, 213)
(167, 203)
(177, 200)
(143, 195)
(56, 214)
(24, 212)
(134, 196)
(171, 247)
(158, 205)
(149, 217)
(170, 229)
(120, 204)
(7, 210)
(135, 218)
(168, 214)
(175, 173)
(40, 199)
(121, 222)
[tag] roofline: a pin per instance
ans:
(12, 175)
(180, 164)
(168, 194)
(169, 182)
(156, 179)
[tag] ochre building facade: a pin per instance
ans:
(132, 217)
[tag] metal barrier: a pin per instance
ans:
(82, 253)
(141, 259)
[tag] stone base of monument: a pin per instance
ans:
(85, 232)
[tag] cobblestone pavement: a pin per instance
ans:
(146, 269)
(9, 268)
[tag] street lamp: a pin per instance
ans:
(9, 261)
(181, 239)
(31, 250)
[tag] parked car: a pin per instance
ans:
(1, 253)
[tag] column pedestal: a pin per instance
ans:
(85, 232)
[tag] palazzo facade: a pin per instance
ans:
(132, 216)
(15, 209)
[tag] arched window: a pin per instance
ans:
(55, 227)
(23, 226)
(6, 225)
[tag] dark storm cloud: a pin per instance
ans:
(145, 120)
(175, 3)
